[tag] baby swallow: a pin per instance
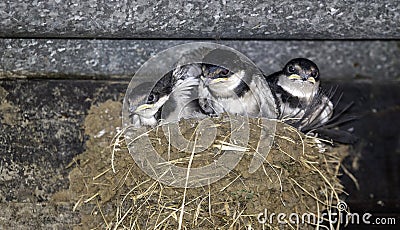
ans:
(235, 87)
(172, 98)
(299, 97)
(145, 107)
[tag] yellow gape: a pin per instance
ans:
(294, 76)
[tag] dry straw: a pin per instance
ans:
(299, 175)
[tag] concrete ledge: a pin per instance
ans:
(116, 59)
(269, 19)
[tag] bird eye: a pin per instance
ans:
(224, 72)
(314, 74)
(291, 69)
(151, 98)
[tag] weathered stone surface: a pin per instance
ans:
(377, 60)
(37, 216)
(41, 129)
(198, 19)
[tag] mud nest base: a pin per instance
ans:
(299, 175)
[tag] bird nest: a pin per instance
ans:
(299, 178)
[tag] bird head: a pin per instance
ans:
(152, 105)
(213, 74)
(220, 66)
(147, 113)
(144, 106)
(220, 81)
(302, 69)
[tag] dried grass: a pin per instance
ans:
(110, 191)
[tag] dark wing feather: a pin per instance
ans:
(330, 129)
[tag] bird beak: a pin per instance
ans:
(143, 107)
(153, 108)
(295, 77)
(311, 79)
(298, 77)
(221, 79)
(209, 80)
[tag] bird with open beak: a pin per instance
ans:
(234, 86)
(297, 91)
